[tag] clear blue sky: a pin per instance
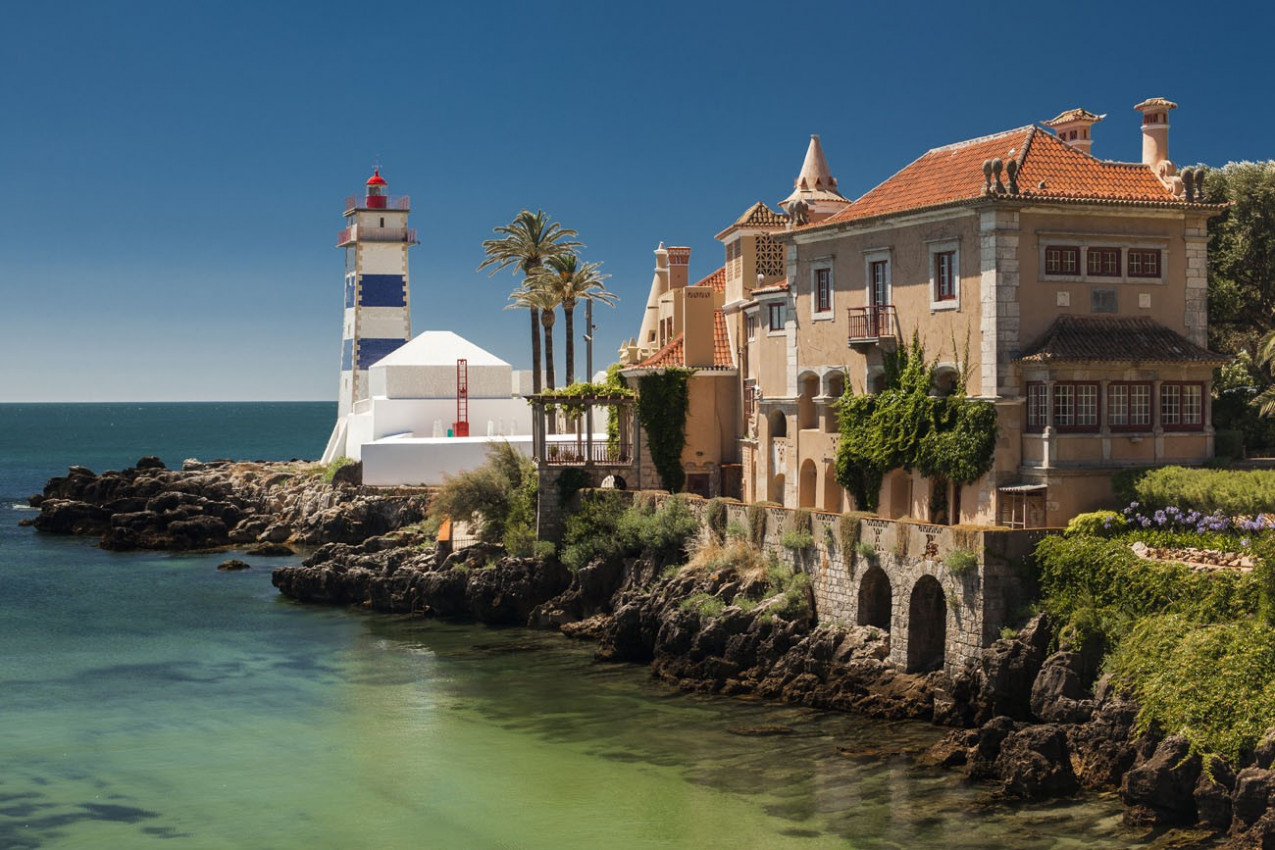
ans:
(174, 172)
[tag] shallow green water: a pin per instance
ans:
(148, 700)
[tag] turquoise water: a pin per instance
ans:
(149, 700)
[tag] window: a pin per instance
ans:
(1181, 406)
(879, 283)
(1144, 262)
(1129, 406)
(1103, 301)
(823, 290)
(1102, 262)
(750, 325)
(1062, 259)
(776, 316)
(1076, 406)
(945, 276)
(1037, 407)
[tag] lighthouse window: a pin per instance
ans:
(382, 222)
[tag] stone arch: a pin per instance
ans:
(776, 492)
(875, 600)
(875, 381)
(807, 413)
(807, 480)
(778, 423)
(943, 383)
(927, 625)
(834, 387)
(831, 489)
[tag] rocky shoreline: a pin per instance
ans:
(1032, 723)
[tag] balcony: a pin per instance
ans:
(354, 233)
(872, 324)
(401, 203)
(581, 453)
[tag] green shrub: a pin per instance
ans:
(603, 528)
(592, 532)
(1096, 524)
(757, 519)
(961, 562)
(715, 519)
(1233, 492)
(705, 605)
(796, 539)
(1214, 682)
(500, 496)
(735, 530)
(543, 550)
(866, 551)
(329, 471)
(848, 525)
(571, 480)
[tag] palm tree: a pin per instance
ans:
(573, 281)
(524, 244)
(543, 301)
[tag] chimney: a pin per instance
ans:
(1155, 130)
(1073, 126)
(679, 261)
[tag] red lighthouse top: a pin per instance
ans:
(376, 191)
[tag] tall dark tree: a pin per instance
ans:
(523, 245)
(573, 281)
(1241, 255)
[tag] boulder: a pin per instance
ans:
(149, 462)
(1213, 794)
(1035, 763)
(1253, 795)
(987, 746)
(1058, 694)
(1161, 789)
(232, 566)
(271, 550)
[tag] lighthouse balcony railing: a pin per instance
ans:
(398, 203)
(580, 453)
(354, 233)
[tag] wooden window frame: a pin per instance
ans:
(1038, 414)
(1174, 390)
(1102, 268)
(1127, 387)
(773, 312)
(1069, 388)
(1141, 256)
(945, 276)
(821, 303)
(1063, 251)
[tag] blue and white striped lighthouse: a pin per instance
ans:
(377, 317)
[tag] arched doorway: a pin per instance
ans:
(927, 626)
(875, 599)
(807, 414)
(806, 482)
(831, 489)
(834, 389)
(776, 492)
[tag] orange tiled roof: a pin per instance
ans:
(1118, 339)
(1050, 169)
(674, 353)
(782, 286)
(715, 281)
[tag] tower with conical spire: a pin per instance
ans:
(815, 186)
(377, 317)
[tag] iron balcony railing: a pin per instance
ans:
(869, 324)
(401, 203)
(578, 454)
(353, 234)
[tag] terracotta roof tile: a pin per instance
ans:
(672, 354)
(721, 342)
(1115, 339)
(760, 215)
(782, 286)
(954, 174)
(715, 281)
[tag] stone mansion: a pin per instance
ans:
(1068, 290)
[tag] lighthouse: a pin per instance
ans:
(377, 315)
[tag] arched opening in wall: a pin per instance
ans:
(807, 414)
(834, 388)
(944, 382)
(778, 424)
(876, 379)
(806, 482)
(776, 492)
(927, 626)
(874, 599)
(940, 509)
(831, 489)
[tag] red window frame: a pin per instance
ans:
(1173, 397)
(823, 290)
(1067, 395)
(1062, 259)
(1037, 407)
(944, 279)
(1144, 262)
(775, 317)
(1120, 395)
(1102, 262)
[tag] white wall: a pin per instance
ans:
(415, 461)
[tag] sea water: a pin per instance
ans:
(148, 700)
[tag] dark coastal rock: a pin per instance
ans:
(1035, 763)
(1213, 793)
(1161, 789)
(987, 746)
(350, 475)
(149, 462)
(1058, 694)
(1254, 789)
(999, 681)
(232, 566)
(1101, 751)
(1264, 753)
(271, 550)
(65, 516)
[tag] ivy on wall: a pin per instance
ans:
(661, 408)
(904, 427)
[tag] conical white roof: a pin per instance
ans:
(439, 348)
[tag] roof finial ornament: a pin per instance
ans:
(798, 213)
(997, 168)
(1188, 183)
(1011, 169)
(987, 177)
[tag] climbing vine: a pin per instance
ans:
(904, 427)
(661, 408)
